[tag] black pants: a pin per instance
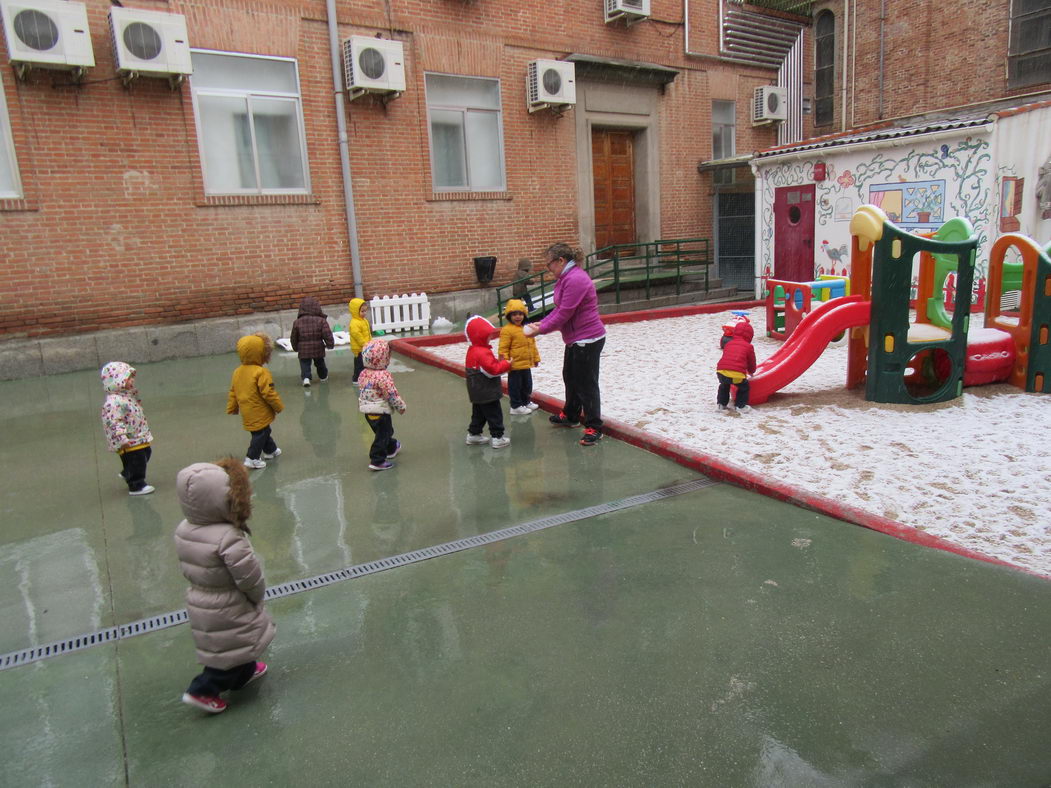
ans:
(723, 397)
(211, 681)
(383, 444)
(304, 367)
(580, 369)
(359, 367)
(262, 441)
(133, 467)
(490, 413)
(519, 386)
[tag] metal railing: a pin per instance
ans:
(624, 268)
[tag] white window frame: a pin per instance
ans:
(264, 94)
(465, 109)
(8, 143)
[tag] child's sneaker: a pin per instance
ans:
(255, 464)
(591, 437)
(561, 421)
(260, 671)
(144, 491)
(322, 380)
(397, 448)
(276, 453)
(476, 440)
(532, 405)
(386, 465)
(722, 408)
(521, 410)
(499, 443)
(306, 383)
(204, 702)
(745, 409)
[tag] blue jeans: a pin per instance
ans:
(304, 367)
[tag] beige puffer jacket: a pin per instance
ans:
(225, 599)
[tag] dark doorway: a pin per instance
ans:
(735, 244)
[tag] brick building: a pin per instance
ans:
(150, 200)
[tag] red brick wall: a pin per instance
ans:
(115, 228)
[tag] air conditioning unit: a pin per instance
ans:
(629, 10)
(550, 83)
(373, 65)
(47, 34)
(770, 106)
(150, 43)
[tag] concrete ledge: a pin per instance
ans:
(21, 360)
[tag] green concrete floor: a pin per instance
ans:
(714, 638)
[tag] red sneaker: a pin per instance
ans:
(591, 437)
(260, 671)
(204, 703)
(561, 421)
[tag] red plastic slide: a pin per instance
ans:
(807, 342)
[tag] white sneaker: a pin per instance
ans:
(745, 409)
(532, 405)
(306, 383)
(476, 440)
(250, 463)
(523, 410)
(144, 491)
(277, 453)
(499, 443)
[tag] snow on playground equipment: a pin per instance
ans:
(932, 359)
(787, 303)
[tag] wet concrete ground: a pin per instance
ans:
(713, 638)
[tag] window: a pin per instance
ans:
(824, 68)
(724, 128)
(1029, 54)
(249, 123)
(466, 136)
(10, 188)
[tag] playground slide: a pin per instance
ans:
(807, 342)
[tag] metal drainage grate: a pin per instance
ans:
(15, 659)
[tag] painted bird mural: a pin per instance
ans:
(838, 257)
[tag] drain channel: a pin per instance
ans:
(16, 659)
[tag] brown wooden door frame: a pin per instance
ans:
(613, 185)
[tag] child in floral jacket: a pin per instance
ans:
(124, 423)
(377, 397)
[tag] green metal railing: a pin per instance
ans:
(624, 268)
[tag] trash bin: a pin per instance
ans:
(484, 268)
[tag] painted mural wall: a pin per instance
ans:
(1000, 180)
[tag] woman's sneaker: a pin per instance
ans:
(256, 464)
(591, 437)
(386, 465)
(561, 421)
(204, 703)
(476, 440)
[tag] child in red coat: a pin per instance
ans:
(734, 367)
(483, 384)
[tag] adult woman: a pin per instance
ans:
(576, 316)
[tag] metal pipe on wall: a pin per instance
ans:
(882, 50)
(344, 145)
(843, 69)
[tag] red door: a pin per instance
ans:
(794, 233)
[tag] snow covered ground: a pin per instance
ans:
(975, 471)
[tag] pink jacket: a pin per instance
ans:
(576, 308)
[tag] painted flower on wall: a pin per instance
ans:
(846, 180)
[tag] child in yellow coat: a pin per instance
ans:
(252, 394)
(360, 333)
(521, 351)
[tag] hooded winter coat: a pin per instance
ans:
(738, 355)
(252, 392)
(514, 345)
(225, 599)
(311, 333)
(123, 420)
(360, 329)
(376, 390)
(483, 368)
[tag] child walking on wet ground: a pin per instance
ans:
(230, 625)
(252, 394)
(360, 333)
(311, 334)
(377, 398)
(483, 384)
(735, 365)
(521, 351)
(124, 423)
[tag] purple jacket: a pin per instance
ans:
(576, 308)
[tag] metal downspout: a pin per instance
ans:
(344, 145)
(882, 50)
(843, 69)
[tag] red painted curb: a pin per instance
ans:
(414, 347)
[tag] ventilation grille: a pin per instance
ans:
(755, 38)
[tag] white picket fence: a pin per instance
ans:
(400, 313)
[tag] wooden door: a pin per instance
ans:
(794, 233)
(613, 173)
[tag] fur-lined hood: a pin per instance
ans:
(255, 349)
(211, 493)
